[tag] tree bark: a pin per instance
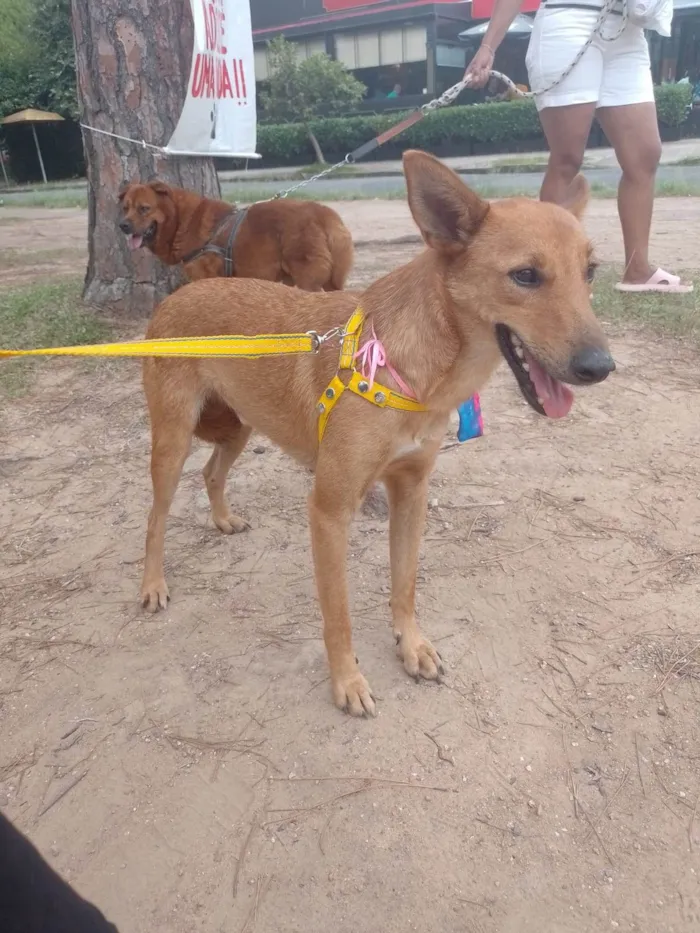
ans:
(133, 68)
(320, 158)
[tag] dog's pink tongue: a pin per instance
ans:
(556, 397)
(134, 240)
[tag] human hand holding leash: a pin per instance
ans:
(478, 70)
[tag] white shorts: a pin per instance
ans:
(611, 74)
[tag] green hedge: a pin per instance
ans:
(491, 124)
(673, 103)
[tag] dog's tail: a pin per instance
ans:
(341, 249)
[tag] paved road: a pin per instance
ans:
(494, 184)
(377, 187)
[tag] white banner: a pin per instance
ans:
(219, 118)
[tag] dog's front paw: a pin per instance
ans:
(231, 524)
(155, 595)
(419, 657)
(353, 695)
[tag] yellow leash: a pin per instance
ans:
(228, 346)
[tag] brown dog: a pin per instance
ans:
(300, 243)
(509, 279)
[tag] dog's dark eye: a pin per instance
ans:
(528, 278)
(590, 272)
(144, 209)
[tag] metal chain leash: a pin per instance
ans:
(312, 178)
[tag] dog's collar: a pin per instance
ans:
(359, 383)
(226, 252)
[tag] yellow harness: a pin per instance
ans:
(377, 394)
(246, 347)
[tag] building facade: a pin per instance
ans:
(406, 49)
(397, 48)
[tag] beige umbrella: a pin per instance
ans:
(33, 117)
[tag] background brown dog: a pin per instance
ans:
(300, 243)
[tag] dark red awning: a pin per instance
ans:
(482, 9)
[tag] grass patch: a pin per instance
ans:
(529, 165)
(677, 189)
(518, 168)
(284, 177)
(665, 315)
(42, 315)
(57, 199)
(603, 192)
(304, 171)
(19, 258)
(55, 185)
(537, 163)
(507, 161)
(248, 192)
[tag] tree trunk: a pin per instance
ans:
(133, 70)
(320, 158)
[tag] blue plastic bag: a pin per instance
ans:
(471, 422)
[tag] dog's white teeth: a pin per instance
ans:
(519, 351)
(526, 367)
(539, 401)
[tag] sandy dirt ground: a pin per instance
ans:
(188, 771)
(56, 238)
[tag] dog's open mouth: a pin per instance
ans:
(547, 395)
(137, 240)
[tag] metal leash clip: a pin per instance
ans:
(319, 339)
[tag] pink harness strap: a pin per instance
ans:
(372, 356)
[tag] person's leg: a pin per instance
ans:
(627, 113)
(566, 96)
(633, 131)
(566, 130)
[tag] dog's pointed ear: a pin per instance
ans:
(577, 196)
(160, 187)
(447, 212)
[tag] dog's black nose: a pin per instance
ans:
(125, 226)
(592, 364)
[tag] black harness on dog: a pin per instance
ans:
(224, 251)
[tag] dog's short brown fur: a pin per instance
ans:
(515, 267)
(300, 243)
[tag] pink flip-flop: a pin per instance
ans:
(660, 281)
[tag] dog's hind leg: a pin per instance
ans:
(407, 488)
(215, 472)
(342, 257)
(172, 426)
(220, 425)
(308, 263)
(307, 277)
(167, 460)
